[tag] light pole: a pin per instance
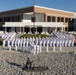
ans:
(34, 20)
(34, 2)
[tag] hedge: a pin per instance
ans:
(1, 41)
(34, 35)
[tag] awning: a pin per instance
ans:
(34, 24)
(50, 24)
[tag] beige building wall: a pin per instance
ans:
(56, 13)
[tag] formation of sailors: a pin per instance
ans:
(57, 39)
(51, 41)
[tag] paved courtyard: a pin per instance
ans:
(43, 49)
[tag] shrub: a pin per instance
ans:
(34, 35)
(26, 35)
(1, 41)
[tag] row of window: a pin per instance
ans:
(10, 19)
(49, 19)
(59, 19)
(14, 19)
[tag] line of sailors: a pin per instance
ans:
(51, 41)
(63, 35)
(7, 35)
(57, 39)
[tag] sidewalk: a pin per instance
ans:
(64, 49)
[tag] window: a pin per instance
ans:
(13, 19)
(66, 20)
(72, 20)
(8, 19)
(62, 19)
(53, 19)
(1, 28)
(17, 18)
(48, 18)
(69, 19)
(0, 19)
(5, 19)
(58, 19)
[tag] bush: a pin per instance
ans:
(1, 41)
(26, 35)
(34, 35)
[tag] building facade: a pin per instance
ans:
(40, 19)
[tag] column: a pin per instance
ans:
(56, 19)
(46, 29)
(23, 29)
(36, 30)
(42, 29)
(62, 29)
(5, 29)
(30, 30)
(67, 29)
(20, 30)
(15, 29)
(45, 17)
(55, 28)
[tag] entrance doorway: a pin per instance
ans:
(8, 29)
(39, 29)
(27, 29)
(33, 30)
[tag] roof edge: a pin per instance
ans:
(16, 9)
(38, 7)
(53, 9)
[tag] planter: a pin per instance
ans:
(1, 42)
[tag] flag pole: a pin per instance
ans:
(34, 29)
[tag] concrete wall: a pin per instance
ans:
(27, 17)
(39, 17)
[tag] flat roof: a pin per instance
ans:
(31, 9)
